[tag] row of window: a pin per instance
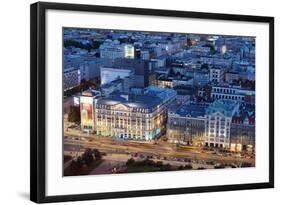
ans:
(119, 125)
(125, 121)
(126, 114)
(224, 90)
(125, 135)
(229, 97)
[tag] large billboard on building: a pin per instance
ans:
(87, 112)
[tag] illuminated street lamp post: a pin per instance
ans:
(79, 138)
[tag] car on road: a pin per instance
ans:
(187, 160)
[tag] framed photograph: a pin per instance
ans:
(129, 102)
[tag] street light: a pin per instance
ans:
(79, 138)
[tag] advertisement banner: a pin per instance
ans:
(87, 111)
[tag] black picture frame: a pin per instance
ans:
(38, 101)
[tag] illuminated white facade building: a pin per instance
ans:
(219, 117)
(129, 51)
(223, 49)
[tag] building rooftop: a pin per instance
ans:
(192, 110)
(138, 101)
(163, 93)
(152, 97)
(91, 93)
(184, 89)
(142, 101)
(227, 107)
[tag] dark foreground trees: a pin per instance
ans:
(74, 114)
(85, 163)
(149, 165)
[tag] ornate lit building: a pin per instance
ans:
(139, 117)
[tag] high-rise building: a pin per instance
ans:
(71, 77)
(139, 67)
(129, 51)
(110, 74)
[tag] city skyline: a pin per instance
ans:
(138, 101)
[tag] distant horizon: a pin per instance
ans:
(160, 32)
